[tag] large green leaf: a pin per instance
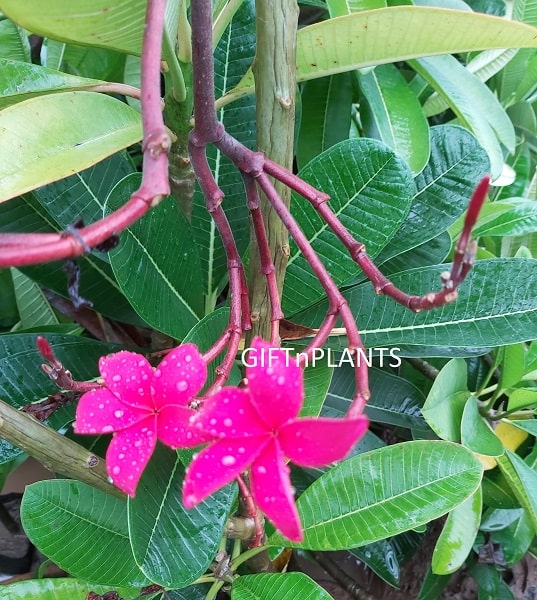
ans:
(50, 137)
(444, 188)
(233, 55)
(114, 24)
(393, 114)
(458, 535)
(283, 586)
(371, 189)
(326, 115)
(393, 399)
(157, 266)
(520, 219)
(497, 305)
(34, 309)
(473, 102)
(359, 40)
(82, 530)
(20, 81)
(60, 589)
(55, 207)
(174, 546)
(523, 482)
(14, 42)
(381, 493)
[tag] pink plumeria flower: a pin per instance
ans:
(257, 427)
(142, 404)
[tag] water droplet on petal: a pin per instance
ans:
(116, 378)
(188, 358)
(228, 422)
(107, 429)
(158, 373)
(101, 405)
(261, 470)
(121, 456)
(118, 414)
(228, 460)
(181, 386)
(116, 470)
(281, 380)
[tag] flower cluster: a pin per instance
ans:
(255, 427)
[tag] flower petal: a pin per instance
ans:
(276, 384)
(99, 411)
(174, 428)
(317, 442)
(128, 376)
(128, 454)
(273, 493)
(179, 377)
(230, 414)
(217, 465)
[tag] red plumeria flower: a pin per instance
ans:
(142, 404)
(257, 427)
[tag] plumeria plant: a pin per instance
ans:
(190, 242)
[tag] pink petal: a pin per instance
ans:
(99, 411)
(176, 430)
(317, 442)
(276, 384)
(128, 376)
(217, 465)
(230, 414)
(128, 454)
(179, 377)
(273, 493)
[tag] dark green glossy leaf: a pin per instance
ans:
(486, 313)
(433, 586)
(444, 188)
(447, 398)
(393, 114)
(34, 309)
(516, 538)
(371, 189)
(523, 482)
(512, 368)
(83, 530)
(519, 220)
(233, 55)
(9, 313)
(458, 535)
(172, 545)
(432, 252)
(381, 558)
(393, 399)
(157, 266)
(283, 586)
(60, 134)
(348, 505)
(476, 434)
(58, 206)
(19, 81)
(326, 115)
(317, 378)
(60, 589)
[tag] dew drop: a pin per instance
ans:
(181, 386)
(121, 456)
(158, 373)
(116, 470)
(228, 422)
(261, 470)
(118, 414)
(281, 380)
(241, 450)
(107, 429)
(188, 358)
(101, 405)
(228, 460)
(116, 378)
(137, 443)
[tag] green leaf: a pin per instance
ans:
(381, 558)
(61, 589)
(393, 399)
(351, 505)
(20, 81)
(516, 538)
(283, 586)
(233, 55)
(14, 42)
(487, 311)
(55, 207)
(529, 425)
(521, 398)
(473, 102)
(433, 252)
(118, 24)
(433, 585)
(523, 482)
(156, 264)
(83, 530)
(172, 545)
(520, 219)
(394, 115)
(512, 368)
(444, 188)
(326, 115)
(476, 434)
(34, 309)
(447, 398)
(458, 535)
(60, 134)
(371, 189)
(358, 40)
(317, 378)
